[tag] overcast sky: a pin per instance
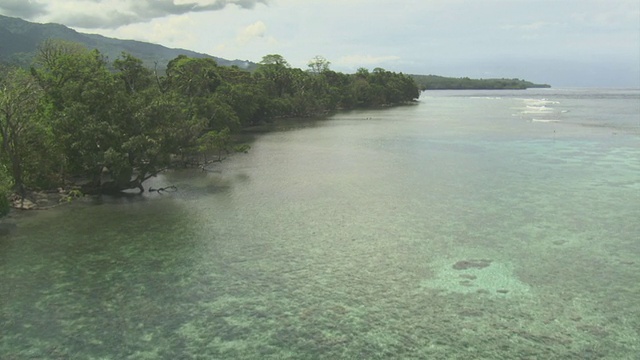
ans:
(560, 42)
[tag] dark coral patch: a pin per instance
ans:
(469, 264)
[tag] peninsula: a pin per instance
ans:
(434, 82)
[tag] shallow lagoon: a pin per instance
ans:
(480, 225)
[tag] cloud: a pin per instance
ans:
(248, 39)
(171, 31)
(534, 26)
(111, 14)
(609, 15)
(22, 8)
(255, 30)
(362, 60)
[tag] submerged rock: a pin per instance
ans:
(468, 264)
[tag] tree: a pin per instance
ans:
(193, 77)
(86, 102)
(218, 142)
(132, 72)
(318, 65)
(115, 129)
(241, 91)
(274, 59)
(20, 98)
(5, 190)
(274, 75)
(246, 100)
(56, 63)
(113, 126)
(193, 83)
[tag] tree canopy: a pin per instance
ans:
(76, 117)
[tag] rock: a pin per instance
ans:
(25, 204)
(39, 196)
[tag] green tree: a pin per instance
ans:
(162, 122)
(115, 125)
(246, 100)
(274, 75)
(241, 91)
(193, 77)
(195, 82)
(115, 129)
(86, 104)
(274, 59)
(318, 65)
(132, 72)
(216, 142)
(20, 98)
(6, 185)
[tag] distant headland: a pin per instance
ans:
(434, 82)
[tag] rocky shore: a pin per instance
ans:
(42, 200)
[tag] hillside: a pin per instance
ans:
(19, 40)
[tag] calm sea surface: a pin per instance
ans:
(473, 225)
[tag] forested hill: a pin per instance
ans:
(434, 82)
(19, 40)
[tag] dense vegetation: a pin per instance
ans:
(74, 117)
(434, 82)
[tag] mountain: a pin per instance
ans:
(19, 40)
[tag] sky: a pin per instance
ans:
(565, 43)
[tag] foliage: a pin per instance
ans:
(112, 125)
(19, 126)
(85, 106)
(293, 92)
(6, 184)
(218, 142)
(318, 65)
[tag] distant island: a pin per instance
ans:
(434, 82)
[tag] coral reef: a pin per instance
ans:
(469, 264)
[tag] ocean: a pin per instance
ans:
(470, 225)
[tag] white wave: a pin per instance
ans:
(538, 111)
(540, 102)
(540, 108)
(545, 120)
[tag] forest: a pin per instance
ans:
(76, 120)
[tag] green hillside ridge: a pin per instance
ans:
(19, 41)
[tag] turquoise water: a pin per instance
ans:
(485, 225)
